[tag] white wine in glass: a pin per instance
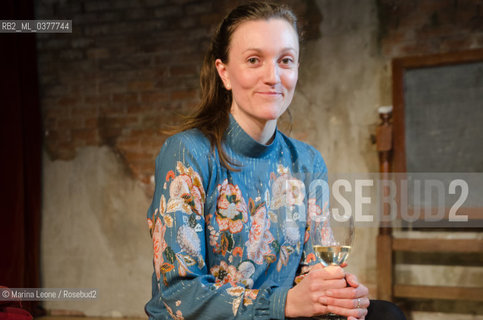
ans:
(331, 235)
(332, 255)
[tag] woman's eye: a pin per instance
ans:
(252, 60)
(287, 60)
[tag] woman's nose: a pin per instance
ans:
(271, 74)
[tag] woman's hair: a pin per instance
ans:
(212, 114)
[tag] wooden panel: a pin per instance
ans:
(438, 292)
(438, 245)
(474, 217)
(384, 267)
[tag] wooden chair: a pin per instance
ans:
(391, 146)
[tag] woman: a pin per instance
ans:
(229, 236)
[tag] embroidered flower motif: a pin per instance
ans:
(282, 170)
(238, 251)
(168, 220)
(186, 191)
(235, 291)
(292, 233)
(236, 304)
(246, 269)
(176, 316)
(185, 261)
(214, 235)
(310, 258)
(162, 204)
(285, 252)
(150, 224)
(267, 198)
(189, 242)
(224, 274)
(232, 210)
(260, 237)
(159, 245)
(226, 244)
(287, 190)
(313, 208)
(250, 296)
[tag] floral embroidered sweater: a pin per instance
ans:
(229, 244)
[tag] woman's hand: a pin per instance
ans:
(351, 301)
(306, 298)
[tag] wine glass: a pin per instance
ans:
(332, 234)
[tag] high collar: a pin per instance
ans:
(240, 142)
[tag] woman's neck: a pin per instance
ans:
(261, 131)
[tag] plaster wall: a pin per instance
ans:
(94, 234)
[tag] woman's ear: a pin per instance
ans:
(223, 73)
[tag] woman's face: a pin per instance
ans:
(262, 69)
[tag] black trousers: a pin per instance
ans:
(380, 310)
(384, 310)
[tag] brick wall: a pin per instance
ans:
(124, 74)
(417, 27)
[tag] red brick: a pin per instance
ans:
(92, 122)
(168, 11)
(155, 143)
(128, 98)
(55, 111)
(183, 70)
(61, 151)
(71, 55)
(129, 144)
(83, 110)
(109, 134)
(98, 53)
(197, 8)
(50, 123)
(209, 19)
(140, 85)
(116, 109)
(141, 134)
(183, 94)
(152, 120)
(68, 101)
(140, 109)
(137, 156)
(154, 97)
(86, 135)
(123, 121)
(96, 99)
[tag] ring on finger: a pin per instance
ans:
(358, 303)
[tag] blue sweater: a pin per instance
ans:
(229, 244)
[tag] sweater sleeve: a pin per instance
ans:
(183, 286)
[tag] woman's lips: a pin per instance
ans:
(269, 93)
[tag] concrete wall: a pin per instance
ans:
(130, 66)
